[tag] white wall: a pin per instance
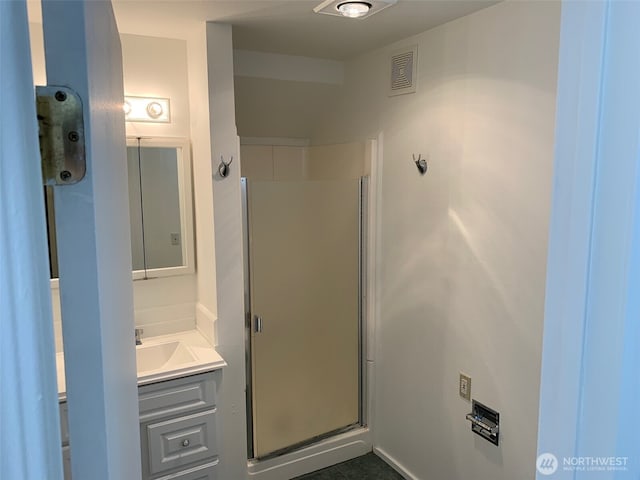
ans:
(198, 75)
(282, 95)
(157, 67)
(463, 248)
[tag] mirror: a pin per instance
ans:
(160, 209)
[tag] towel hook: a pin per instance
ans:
(224, 168)
(421, 163)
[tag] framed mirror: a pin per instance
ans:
(160, 209)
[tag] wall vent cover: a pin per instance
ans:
(404, 69)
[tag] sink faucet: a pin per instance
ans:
(139, 333)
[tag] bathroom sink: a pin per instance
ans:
(162, 356)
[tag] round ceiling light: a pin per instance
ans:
(354, 9)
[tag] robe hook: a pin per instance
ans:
(224, 168)
(421, 163)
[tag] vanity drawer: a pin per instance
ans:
(176, 397)
(204, 472)
(181, 441)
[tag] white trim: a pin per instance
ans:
(395, 464)
(83, 51)
(373, 273)
(375, 231)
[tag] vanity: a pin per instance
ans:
(178, 377)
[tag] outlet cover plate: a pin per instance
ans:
(464, 386)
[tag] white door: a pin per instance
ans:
(83, 53)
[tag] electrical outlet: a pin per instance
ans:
(175, 239)
(465, 386)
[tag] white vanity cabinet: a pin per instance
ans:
(177, 429)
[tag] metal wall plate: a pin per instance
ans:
(61, 132)
(485, 422)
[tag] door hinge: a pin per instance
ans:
(61, 132)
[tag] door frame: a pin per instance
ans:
(247, 314)
(94, 247)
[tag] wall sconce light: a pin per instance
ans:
(145, 109)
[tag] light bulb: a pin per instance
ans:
(354, 9)
(154, 110)
(126, 106)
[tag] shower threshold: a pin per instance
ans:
(307, 443)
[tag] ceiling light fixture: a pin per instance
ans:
(354, 9)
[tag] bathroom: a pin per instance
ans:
(457, 255)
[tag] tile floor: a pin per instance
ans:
(367, 467)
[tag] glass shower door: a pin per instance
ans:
(304, 289)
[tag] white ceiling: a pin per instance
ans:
(287, 26)
(290, 27)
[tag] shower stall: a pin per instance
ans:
(305, 239)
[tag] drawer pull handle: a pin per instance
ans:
(185, 442)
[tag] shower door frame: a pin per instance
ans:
(363, 297)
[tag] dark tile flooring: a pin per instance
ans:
(367, 467)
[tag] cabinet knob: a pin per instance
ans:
(185, 442)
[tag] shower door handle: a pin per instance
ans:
(257, 325)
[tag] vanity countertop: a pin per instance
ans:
(164, 357)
